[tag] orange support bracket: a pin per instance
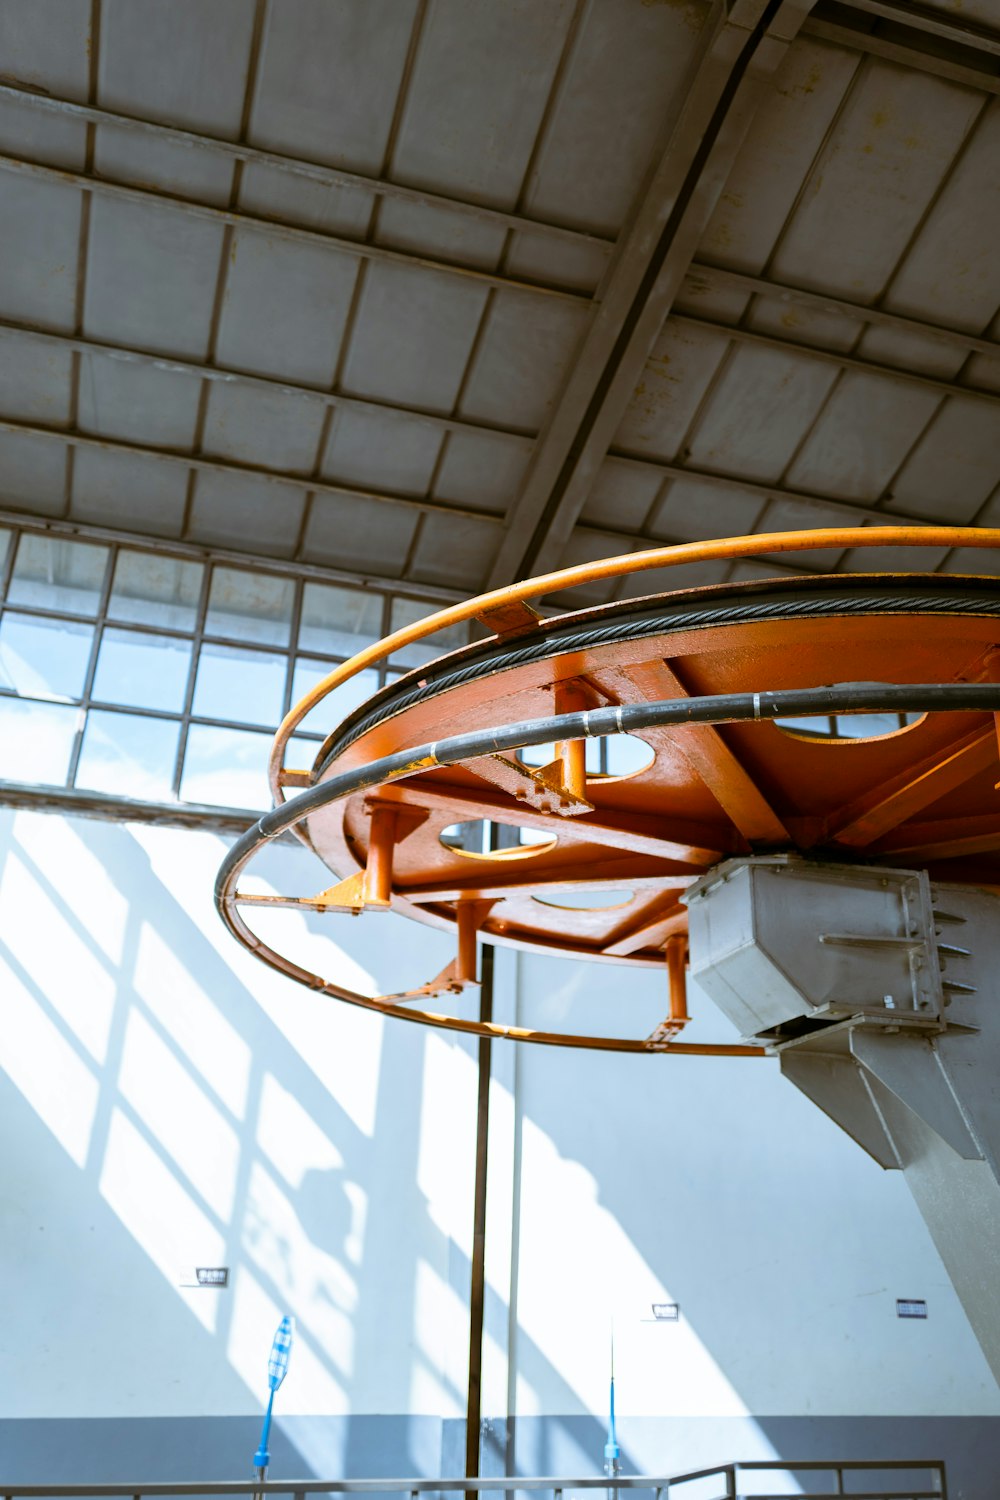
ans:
(370, 888)
(991, 671)
(566, 775)
(463, 971)
(676, 953)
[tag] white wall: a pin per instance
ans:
(166, 1100)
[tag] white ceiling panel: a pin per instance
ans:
(33, 473)
(46, 45)
(27, 133)
(285, 307)
(876, 177)
(521, 358)
(469, 131)
(382, 449)
(955, 467)
(801, 103)
(34, 381)
(952, 272)
(268, 515)
(912, 351)
(137, 403)
(151, 275)
(275, 193)
(145, 495)
(444, 233)
(181, 61)
(864, 434)
(681, 367)
(804, 325)
(362, 535)
(453, 551)
(481, 470)
(270, 428)
(328, 79)
(623, 495)
(623, 79)
(39, 250)
(694, 510)
(579, 265)
(124, 156)
(413, 334)
(761, 408)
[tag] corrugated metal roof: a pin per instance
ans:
(447, 292)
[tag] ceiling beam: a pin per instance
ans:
(840, 360)
(297, 166)
(896, 52)
(268, 384)
(301, 481)
(86, 531)
(744, 45)
(917, 18)
(701, 275)
(89, 182)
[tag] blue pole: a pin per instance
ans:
(262, 1458)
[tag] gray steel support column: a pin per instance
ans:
(915, 1079)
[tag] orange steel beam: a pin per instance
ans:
(649, 932)
(944, 838)
(709, 756)
(495, 885)
(635, 562)
(678, 1016)
(875, 814)
(676, 966)
(627, 831)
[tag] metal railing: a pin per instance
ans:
(849, 1479)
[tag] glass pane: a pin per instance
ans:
(146, 671)
(236, 684)
(815, 724)
(154, 590)
(865, 726)
(339, 621)
(4, 546)
(226, 767)
(301, 753)
(53, 574)
(626, 755)
(250, 606)
(36, 741)
(328, 714)
(128, 756)
(406, 612)
(42, 658)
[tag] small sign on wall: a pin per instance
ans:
(666, 1312)
(217, 1276)
(909, 1307)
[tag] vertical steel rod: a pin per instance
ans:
(477, 1295)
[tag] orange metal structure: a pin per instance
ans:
(923, 796)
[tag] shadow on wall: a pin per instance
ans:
(188, 1108)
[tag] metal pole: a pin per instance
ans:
(477, 1295)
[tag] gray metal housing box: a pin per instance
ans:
(774, 939)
